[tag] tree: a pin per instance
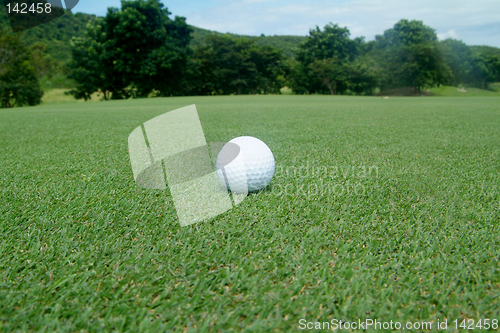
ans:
(152, 50)
(299, 78)
(93, 66)
(458, 57)
(476, 66)
(332, 41)
(43, 64)
(137, 51)
(226, 65)
(363, 74)
(330, 72)
(485, 70)
(424, 66)
(410, 56)
(406, 33)
(322, 61)
(18, 82)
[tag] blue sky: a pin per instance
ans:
(476, 22)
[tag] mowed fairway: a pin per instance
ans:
(380, 208)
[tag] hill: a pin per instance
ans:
(487, 50)
(285, 43)
(56, 35)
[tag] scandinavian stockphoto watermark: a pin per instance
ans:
(312, 180)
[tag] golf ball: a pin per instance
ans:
(245, 164)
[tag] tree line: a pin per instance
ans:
(140, 51)
(407, 55)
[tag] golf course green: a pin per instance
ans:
(386, 209)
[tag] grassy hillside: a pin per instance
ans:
(467, 92)
(285, 43)
(488, 50)
(58, 95)
(381, 209)
(57, 33)
(495, 87)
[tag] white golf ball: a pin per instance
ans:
(245, 164)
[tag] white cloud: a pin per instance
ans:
(452, 33)
(293, 9)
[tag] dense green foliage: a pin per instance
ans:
(135, 51)
(471, 66)
(329, 61)
(409, 56)
(416, 239)
(51, 48)
(56, 34)
(225, 65)
(287, 44)
(18, 81)
(459, 60)
(199, 35)
(138, 51)
(486, 50)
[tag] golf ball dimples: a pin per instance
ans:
(251, 170)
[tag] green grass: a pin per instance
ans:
(57, 95)
(469, 92)
(416, 239)
(286, 91)
(495, 87)
(57, 81)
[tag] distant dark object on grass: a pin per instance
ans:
(406, 91)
